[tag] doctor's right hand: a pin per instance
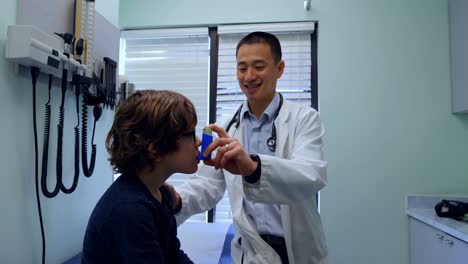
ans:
(230, 154)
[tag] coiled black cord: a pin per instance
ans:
(34, 74)
(45, 146)
(60, 126)
(87, 171)
(76, 129)
(59, 184)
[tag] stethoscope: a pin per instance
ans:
(271, 142)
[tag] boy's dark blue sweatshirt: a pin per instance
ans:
(128, 225)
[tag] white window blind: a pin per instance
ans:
(170, 59)
(295, 83)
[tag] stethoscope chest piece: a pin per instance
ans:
(271, 142)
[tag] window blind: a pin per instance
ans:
(295, 83)
(170, 59)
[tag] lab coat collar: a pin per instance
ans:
(269, 111)
(281, 122)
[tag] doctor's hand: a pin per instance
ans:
(230, 154)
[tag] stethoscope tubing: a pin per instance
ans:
(271, 141)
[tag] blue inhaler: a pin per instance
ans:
(207, 138)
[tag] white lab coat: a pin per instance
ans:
(292, 179)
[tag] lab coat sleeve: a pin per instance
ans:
(201, 192)
(301, 174)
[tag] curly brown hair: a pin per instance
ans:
(148, 117)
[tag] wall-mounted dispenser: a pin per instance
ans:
(307, 5)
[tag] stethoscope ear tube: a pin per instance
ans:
(235, 119)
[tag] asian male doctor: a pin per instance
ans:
(269, 158)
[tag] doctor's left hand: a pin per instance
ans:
(230, 154)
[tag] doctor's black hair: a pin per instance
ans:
(263, 37)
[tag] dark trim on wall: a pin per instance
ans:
(214, 43)
(314, 81)
(314, 68)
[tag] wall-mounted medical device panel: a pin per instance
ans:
(29, 46)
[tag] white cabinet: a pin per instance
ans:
(458, 14)
(429, 245)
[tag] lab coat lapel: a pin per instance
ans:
(282, 128)
(281, 151)
(236, 180)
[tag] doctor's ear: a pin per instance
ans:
(154, 153)
(280, 68)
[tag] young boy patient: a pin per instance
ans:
(152, 137)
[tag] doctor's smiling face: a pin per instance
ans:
(259, 66)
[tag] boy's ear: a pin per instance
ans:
(154, 153)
